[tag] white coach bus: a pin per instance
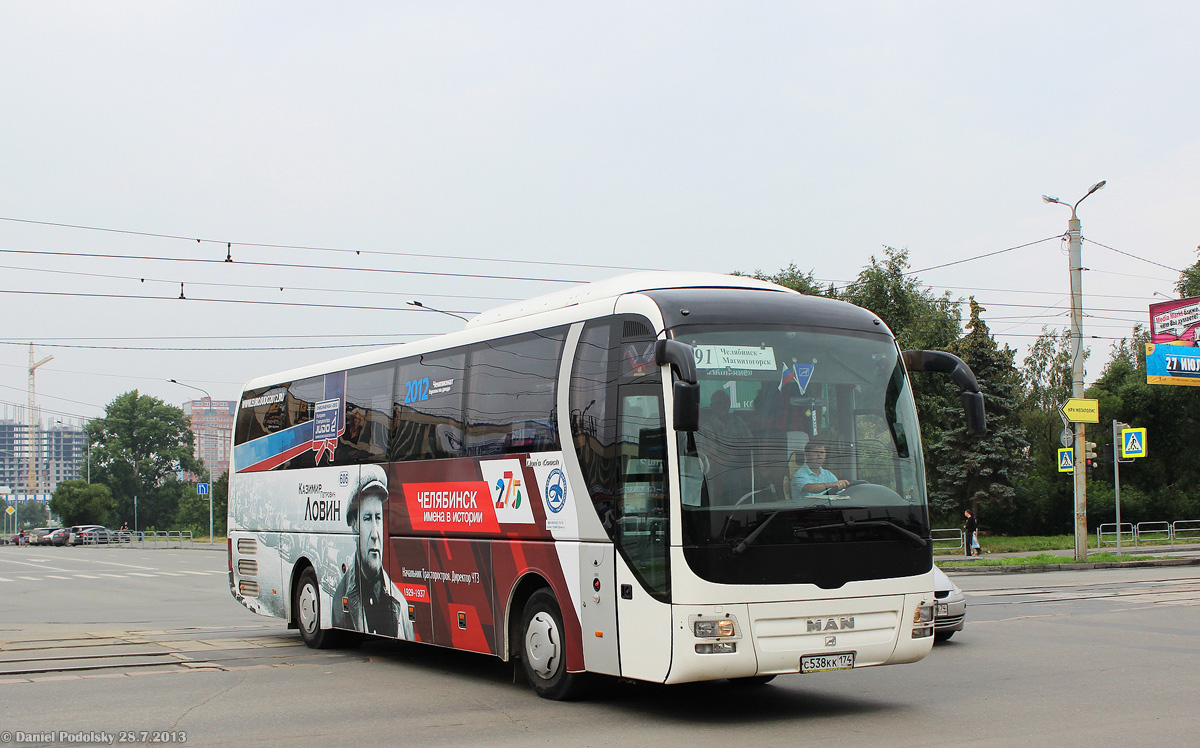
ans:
(669, 477)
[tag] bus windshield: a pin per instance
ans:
(807, 466)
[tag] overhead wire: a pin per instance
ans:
(1128, 254)
(325, 289)
(229, 244)
(289, 265)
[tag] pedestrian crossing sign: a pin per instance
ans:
(1066, 460)
(1133, 442)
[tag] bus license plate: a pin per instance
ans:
(821, 663)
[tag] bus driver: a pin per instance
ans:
(812, 478)
(365, 599)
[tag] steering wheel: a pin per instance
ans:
(835, 490)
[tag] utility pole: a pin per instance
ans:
(1116, 448)
(1075, 235)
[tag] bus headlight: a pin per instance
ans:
(922, 621)
(713, 628)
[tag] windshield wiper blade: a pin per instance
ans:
(850, 523)
(741, 547)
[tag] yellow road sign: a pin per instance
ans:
(1081, 410)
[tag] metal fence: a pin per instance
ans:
(151, 538)
(952, 539)
(1145, 533)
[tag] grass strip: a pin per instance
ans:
(1043, 559)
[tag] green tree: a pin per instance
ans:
(917, 317)
(794, 278)
(193, 508)
(920, 320)
(1188, 284)
(78, 502)
(1166, 481)
(979, 472)
(1045, 495)
(141, 445)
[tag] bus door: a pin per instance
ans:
(641, 535)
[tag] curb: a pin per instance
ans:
(1036, 568)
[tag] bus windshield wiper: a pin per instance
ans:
(850, 523)
(741, 547)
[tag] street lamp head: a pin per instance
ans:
(1048, 199)
(1098, 186)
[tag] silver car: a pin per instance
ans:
(950, 610)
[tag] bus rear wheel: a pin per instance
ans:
(544, 650)
(306, 607)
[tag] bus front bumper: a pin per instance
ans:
(740, 641)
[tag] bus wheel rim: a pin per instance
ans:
(308, 608)
(542, 645)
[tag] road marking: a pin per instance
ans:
(32, 579)
(85, 576)
(114, 576)
(201, 573)
(55, 576)
(4, 579)
(171, 573)
(139, 574)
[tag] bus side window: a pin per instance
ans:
(511, 394)
(368, 405)
(426, 411)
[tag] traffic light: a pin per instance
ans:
(1091, 465)
(1089, 450)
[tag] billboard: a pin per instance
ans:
(1173, 355)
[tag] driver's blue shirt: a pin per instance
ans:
(805, 475)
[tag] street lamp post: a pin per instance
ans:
(210, 504)
(439, 311)
(1080, 474)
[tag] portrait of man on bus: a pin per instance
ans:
(365, 599)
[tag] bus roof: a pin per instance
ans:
(649, 280)
(476, 328)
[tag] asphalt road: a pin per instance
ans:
(125, 640)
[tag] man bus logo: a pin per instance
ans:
(830, 624)
(556, 490)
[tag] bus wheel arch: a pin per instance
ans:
(542, 648)
(293, 619)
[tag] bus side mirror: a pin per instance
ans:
(686, 392)
(687, 406)
(948, 363)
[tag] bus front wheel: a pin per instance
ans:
(544, 650)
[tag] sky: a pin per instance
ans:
(349, 159)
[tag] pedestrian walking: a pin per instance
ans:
(972, 534)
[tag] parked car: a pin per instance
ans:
(78, 533)
(950, 608)
(97, 535)
(41, 536)
(59, 536)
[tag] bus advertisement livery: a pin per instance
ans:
(668, 477)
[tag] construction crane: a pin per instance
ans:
(33, 475)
